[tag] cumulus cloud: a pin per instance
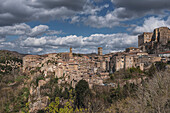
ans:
(137, 8)
(24, 29)
(111, 19)
(2, 39)
(18, 29)
(109, 42)
(37, 30)
(37, 50)
(50, 4)
(151, 23)
(18, 11)
(77, 11)
(32, 41)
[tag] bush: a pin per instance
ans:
(160, 66)
(151, 71)
(133, 69)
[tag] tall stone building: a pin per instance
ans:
(127, 60)
(161, 35)
(155, 42)
(71, 53)
(100, 51)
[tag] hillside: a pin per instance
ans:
(35, 92)
(11, 81)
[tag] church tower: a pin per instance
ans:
(100, 51)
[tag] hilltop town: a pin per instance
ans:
(94, 68)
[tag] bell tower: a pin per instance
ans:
(100, 51)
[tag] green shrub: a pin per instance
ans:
(38, 68)
(39, 78)
(151, 71)
(20, 78)
(160, 66)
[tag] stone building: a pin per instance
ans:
(161, 35)
(127, 60)
(133, 49)
(156, 42)
(30, 61)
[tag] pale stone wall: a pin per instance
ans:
(119, 63)
(128, 62)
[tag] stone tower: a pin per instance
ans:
(100, 51)
(70, 54)
(161, 35)
(71, 50)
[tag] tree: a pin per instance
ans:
(55, 107)
(82, 91)
(151, 70)
(160, 66)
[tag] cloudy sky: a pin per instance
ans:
(48, 26)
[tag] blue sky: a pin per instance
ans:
(47, 26)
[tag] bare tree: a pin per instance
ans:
(151, 97)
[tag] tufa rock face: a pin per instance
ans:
(36, 100)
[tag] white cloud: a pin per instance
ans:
(139, 8)
(37, 50)
(37, 30)
(54, 32)
(110, 20)
(2, 39)
(109, 42)
(151, 23)
(18, 29)
(75, 19)
(34, 41)
(24, 29)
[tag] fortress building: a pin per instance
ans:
(155, 42)
(100, 51)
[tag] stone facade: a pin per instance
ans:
(68, 68)
(133, 49)
(126, 60)
(161, 35)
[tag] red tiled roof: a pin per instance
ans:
(32, 56)
(166, 52)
